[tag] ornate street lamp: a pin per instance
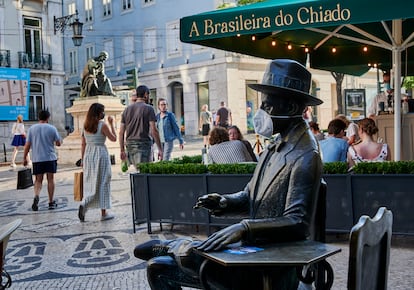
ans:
(60, 24)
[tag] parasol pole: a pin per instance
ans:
(396, 59)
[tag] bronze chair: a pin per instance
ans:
(5, 233)
(369, 252)
(321, 274)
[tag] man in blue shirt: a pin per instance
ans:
(42, 139)
(335, 147)
(168, 129)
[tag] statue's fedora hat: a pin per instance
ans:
(287, 78)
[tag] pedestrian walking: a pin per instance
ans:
(168, 129)
(19, 139)
(96, 163)
(41, 140)
(223, 116)
(138, 130)
(206, 120)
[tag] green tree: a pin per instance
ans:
(239, 3)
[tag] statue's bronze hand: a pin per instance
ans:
(219, 240)
(212, 201)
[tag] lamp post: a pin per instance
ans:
(60, 24)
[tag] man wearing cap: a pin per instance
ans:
(278, 203)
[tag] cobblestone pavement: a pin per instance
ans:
(53, 250)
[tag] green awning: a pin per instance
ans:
(292, 29)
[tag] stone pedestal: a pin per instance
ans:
(70, 151)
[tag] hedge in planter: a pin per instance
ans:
(387, 167)
(193, 165)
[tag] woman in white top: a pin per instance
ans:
(368, 149)
(19, 139)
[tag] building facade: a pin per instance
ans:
(144, 34)
(141, 34)
(27, 40)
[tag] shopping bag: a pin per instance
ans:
(24, 178)
(78, 186)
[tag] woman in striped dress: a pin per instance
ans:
(96, 162)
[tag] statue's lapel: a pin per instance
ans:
(277, 160)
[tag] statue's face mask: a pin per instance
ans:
(275, 114)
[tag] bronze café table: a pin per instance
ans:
(298, 254)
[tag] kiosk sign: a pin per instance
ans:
(14, 93)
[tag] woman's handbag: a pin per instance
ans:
(78, 186)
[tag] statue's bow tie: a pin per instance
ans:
(276, 144)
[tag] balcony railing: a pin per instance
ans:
(35, 60)
(4, 57)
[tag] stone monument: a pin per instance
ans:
(95, 87)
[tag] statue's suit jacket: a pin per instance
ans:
(281, 197)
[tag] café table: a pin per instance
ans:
(297, 254)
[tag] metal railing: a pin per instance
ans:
(4, 57)
(35, 60)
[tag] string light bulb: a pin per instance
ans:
(333, 49)
(289, 46)
(273, 42)
(306, 49)
(253, 37)
(365, 49)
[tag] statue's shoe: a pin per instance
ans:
(151, 249)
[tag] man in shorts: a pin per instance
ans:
(138, 130)
(42, 138)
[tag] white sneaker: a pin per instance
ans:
(13, 165)
(106, 217)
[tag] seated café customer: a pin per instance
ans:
(222, 150)
(351, 129)
(368, 149)
(334, 147)
(314, 127)
(235, 134)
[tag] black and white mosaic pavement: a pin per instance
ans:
(52, 249)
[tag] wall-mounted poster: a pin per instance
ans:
(14, 93)
(355, 105)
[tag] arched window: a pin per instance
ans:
(36, 100)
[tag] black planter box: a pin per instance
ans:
(169, 198)
(394, 191)
(339, 209)
(350, 196)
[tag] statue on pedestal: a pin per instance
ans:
(94, 80)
